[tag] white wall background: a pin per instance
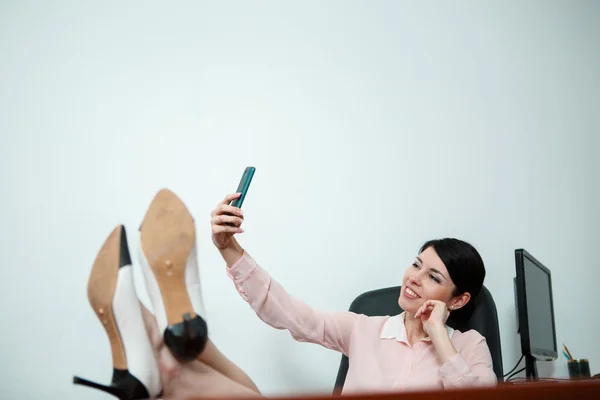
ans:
(373, 126)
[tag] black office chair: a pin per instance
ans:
(385, 302)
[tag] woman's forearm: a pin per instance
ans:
(472, 367)
(443, 345)
(232, 253)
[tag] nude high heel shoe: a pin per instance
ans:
(112, 295)
(168, 257)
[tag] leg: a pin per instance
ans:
(211, 373)
(212, 357)
(198, 379)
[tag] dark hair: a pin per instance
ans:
(465, 266)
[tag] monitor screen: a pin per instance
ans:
(535, 308)
(539, 308)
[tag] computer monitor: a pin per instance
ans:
(535, 311)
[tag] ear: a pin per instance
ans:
(460, 301)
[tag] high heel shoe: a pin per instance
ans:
(167, 254)
(112, 295)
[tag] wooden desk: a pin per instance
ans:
(589, 389)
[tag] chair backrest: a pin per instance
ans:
(484, 320)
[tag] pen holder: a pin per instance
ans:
(579, 369)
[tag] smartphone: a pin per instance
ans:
(243, 189)
(243, 186)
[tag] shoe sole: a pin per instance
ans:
(101, 291)
(167, 236)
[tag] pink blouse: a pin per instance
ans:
(380, 357)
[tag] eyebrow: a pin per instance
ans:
(432, 269)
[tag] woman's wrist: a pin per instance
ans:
(232, 252)
(438, 331)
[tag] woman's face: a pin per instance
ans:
(426, 279)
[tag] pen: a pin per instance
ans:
(568, 352)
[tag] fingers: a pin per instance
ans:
(227, 209)
(230, 220)
(429, 306)
(229, 198)
(420, 311)
(226, 218)
(425, 308)
(216, 229)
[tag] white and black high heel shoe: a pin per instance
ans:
(112, 295)
(169, 262)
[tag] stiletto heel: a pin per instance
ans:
(124, 386)
(168, 257)
(108, 389)
(112, 295)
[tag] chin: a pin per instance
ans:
(406, 306)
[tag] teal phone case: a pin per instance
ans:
(243, 186)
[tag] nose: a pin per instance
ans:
(415, 280)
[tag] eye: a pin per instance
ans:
(434, 278)
(416, 265)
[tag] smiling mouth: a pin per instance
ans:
(408, 292)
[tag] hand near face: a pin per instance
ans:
(433, 314)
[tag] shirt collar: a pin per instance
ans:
(394, 329)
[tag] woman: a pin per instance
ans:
(412, 350)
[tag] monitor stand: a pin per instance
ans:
(531, 368)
